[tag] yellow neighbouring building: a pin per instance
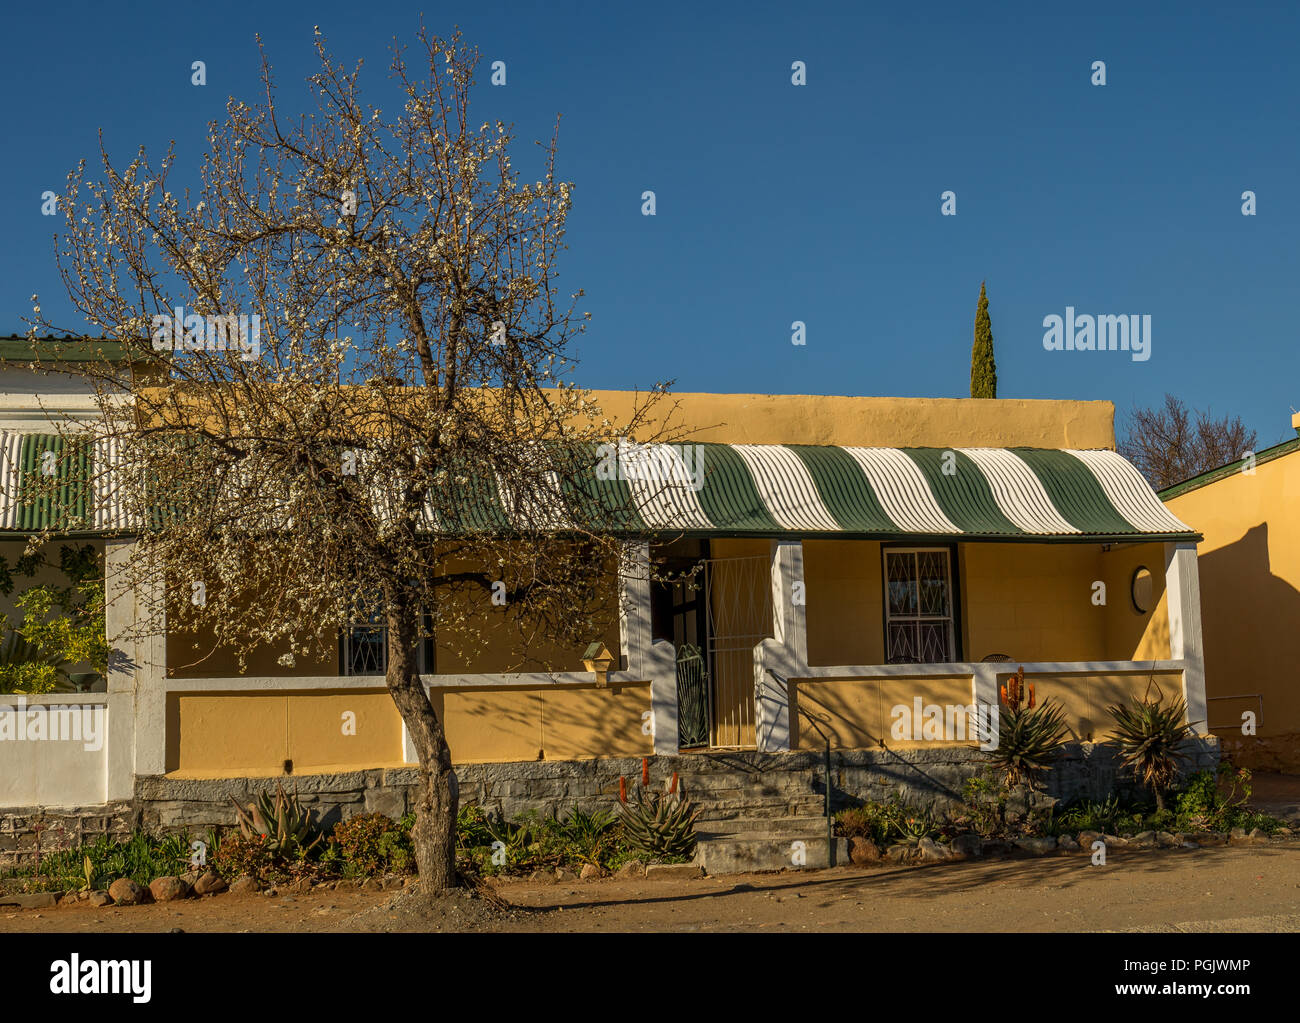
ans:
(860, 554)
(1250, 577)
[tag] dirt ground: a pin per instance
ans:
(1219, 888)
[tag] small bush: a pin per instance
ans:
(361, 841)
(239, 854)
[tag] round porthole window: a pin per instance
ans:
(1143, 589)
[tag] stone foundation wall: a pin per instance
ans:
(724, 785)
(1263, 752)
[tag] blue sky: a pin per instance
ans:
(819, 203)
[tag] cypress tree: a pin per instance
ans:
(983, 370)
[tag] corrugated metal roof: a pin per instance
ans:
(743, 489)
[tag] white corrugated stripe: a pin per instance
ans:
(1019, 492)
(903, 491)
(108, 513)
(11, 446)
(786, 487)
(1130, 493)
(661, 487)
(538, 508)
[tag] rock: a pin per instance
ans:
(168, 889)
(1237, 835)
(632, 868)
(900, 854)
(346, 886)
(242, 885)
(1145, 840)
(190, 877)
(372, 884)
(863, 852)
(1165, 840)
(964, 846)
(99, 899)
(1114, 841)
(271, 893)
(1067, 843)
(541, 876)
(564, 874)
(82, 896)
(32, 900)
(1086, 838)
(932, 852)
(1285, 832)
(302, 886)
(1036, 844)
(673, 871)
(1211, 838)
(589, 871)
(209, 883)
(126, 892)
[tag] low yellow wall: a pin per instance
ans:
(256, 732)
(227, 734)
(1085, 698)
(488, 726)
(860, 713)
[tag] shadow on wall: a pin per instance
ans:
(1252, 643)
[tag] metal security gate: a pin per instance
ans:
(738, 606)
(692, 697)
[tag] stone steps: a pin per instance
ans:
(745, 851)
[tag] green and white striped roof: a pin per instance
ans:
(737, 490)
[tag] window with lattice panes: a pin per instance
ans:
(919, 619)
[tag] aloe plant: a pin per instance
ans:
(1149, 738)
(285, 824)
(659, 826)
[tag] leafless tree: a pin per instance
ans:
(1172, 443)
(349, 453)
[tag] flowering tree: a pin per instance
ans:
(347, 353)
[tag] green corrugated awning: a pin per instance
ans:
(723, 489)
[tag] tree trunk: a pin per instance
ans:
(437, 798)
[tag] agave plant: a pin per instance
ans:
(659, 825)
(283, 822)
(1029, 738)
(1149, 735)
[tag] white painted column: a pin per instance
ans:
(119, 616)
(1183, 595)
(150, 680)
(645, 658)
(790, 659)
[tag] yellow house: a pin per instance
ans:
(1250, 572)
(858, 559)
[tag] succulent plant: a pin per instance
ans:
(658, 825)
(285, 824)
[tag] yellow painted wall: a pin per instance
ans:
(859, 713)
(1250, 603)
(845, 602)
(553, 724)
(216, 733)
(872, 421)
(1032, 602)
(228, 734)
(1085, 698)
